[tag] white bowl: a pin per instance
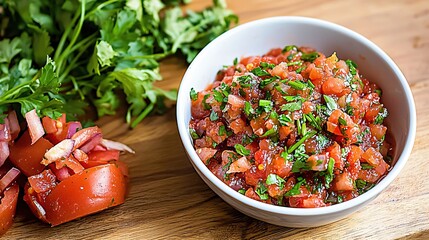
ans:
(258, 37)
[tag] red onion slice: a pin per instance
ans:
(73, 127)
(4, 152)
(60, 151)
(8, 178)
(112, 145)
(34, 125)
(13, 125)
(83, 136)
(91, 144)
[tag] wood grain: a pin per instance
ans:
(169, 201)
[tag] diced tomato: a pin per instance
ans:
(334, 86)
(43, 182)
(27, 157)
(239, 165)
(284, 131)
(378, 131)
(318, 162)
(343, 182)
(335, 153)
(8, 208)
(250, 193)
(280, 166)
(105, 156)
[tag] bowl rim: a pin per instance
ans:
(372, 193)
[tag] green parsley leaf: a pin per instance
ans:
(266, 65)
(222, 130)
(262, 191)
(213, 116)
(270, 132)
(309, 57)
(342, 122)
(235, 62)
(193, 94)
(248, 110)
(284, 119)
(267, 81)
(329, 176)
(242, 191)
(296, 189)
(301, 141)
(365, 166)
(275, 179)
(298, 85)
(244, 81)
(193, 133)
(290, 48)
(293, 106)
(260, 72)
(352, 66)
(264, 103)
(330, 103)
(205, 104)
(240, 149)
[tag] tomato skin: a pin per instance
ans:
(8, 208)
(27, 157)
(103, 156)
(87, 192)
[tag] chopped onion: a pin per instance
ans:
(73, 127)
(13, 125)
(84, 135)
(34, 125)
(5, 131)
(206, 153)
(80, 155)
(60, 151)
(91, 144)
(4, 152)
(112, 145)
(8, 178)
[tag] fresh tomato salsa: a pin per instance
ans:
(292, 128)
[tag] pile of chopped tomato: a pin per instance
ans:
(292, 128)
(69, 171)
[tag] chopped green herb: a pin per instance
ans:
(267, 81)
(193, 133)
(299, 70)
(294, 63)
(340, 199)
(378, 91)
(301, 141)
(342, 122)
(213, 116)
(365, 166)
(193, 94)
(275, 179)
(260, 73)
(244, 81)
(242, 191)
(329, 176)
(296, 189)
(316, 122)
(298, 85)
(264, 103)
(330, 103)
(262, 190)
(205, 104)
(352, 66)
(360, 183)
(222, 130)
(240, 149)
(218, 96)
(290, 57)
(381, 116)
(290, 48)
(248, 110)
(309, 57)
(266, 65)
(322, 141)
(270, 132)
(225, 88)
(284, 119)
(293, 98)
(235, 62)
(293, 106)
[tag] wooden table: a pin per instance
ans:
(168, 200)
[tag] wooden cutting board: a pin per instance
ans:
(167, 198)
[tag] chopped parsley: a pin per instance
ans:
(309, 57)
(266, 65)
(275, 179)
(296, 189)
(352, 66)
(213, 116)
(267, 81)
(242, 191)
(248, 109)
(235, 62)
(260, 72)
(193, 94)
(290, 48)
(222, 130)
(365, 166)
(293, 106)
(205, 104)
(298, 85)
(244, 81)
(330, 103)
(193, 133)
(329, 175)
(262, 191)
(284, 119)
(240, 149)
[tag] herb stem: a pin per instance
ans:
(301, 141)
(147, 110)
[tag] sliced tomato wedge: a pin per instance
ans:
(81, 194)
(8, 208)
(27, 157)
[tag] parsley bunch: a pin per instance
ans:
(99, 49)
